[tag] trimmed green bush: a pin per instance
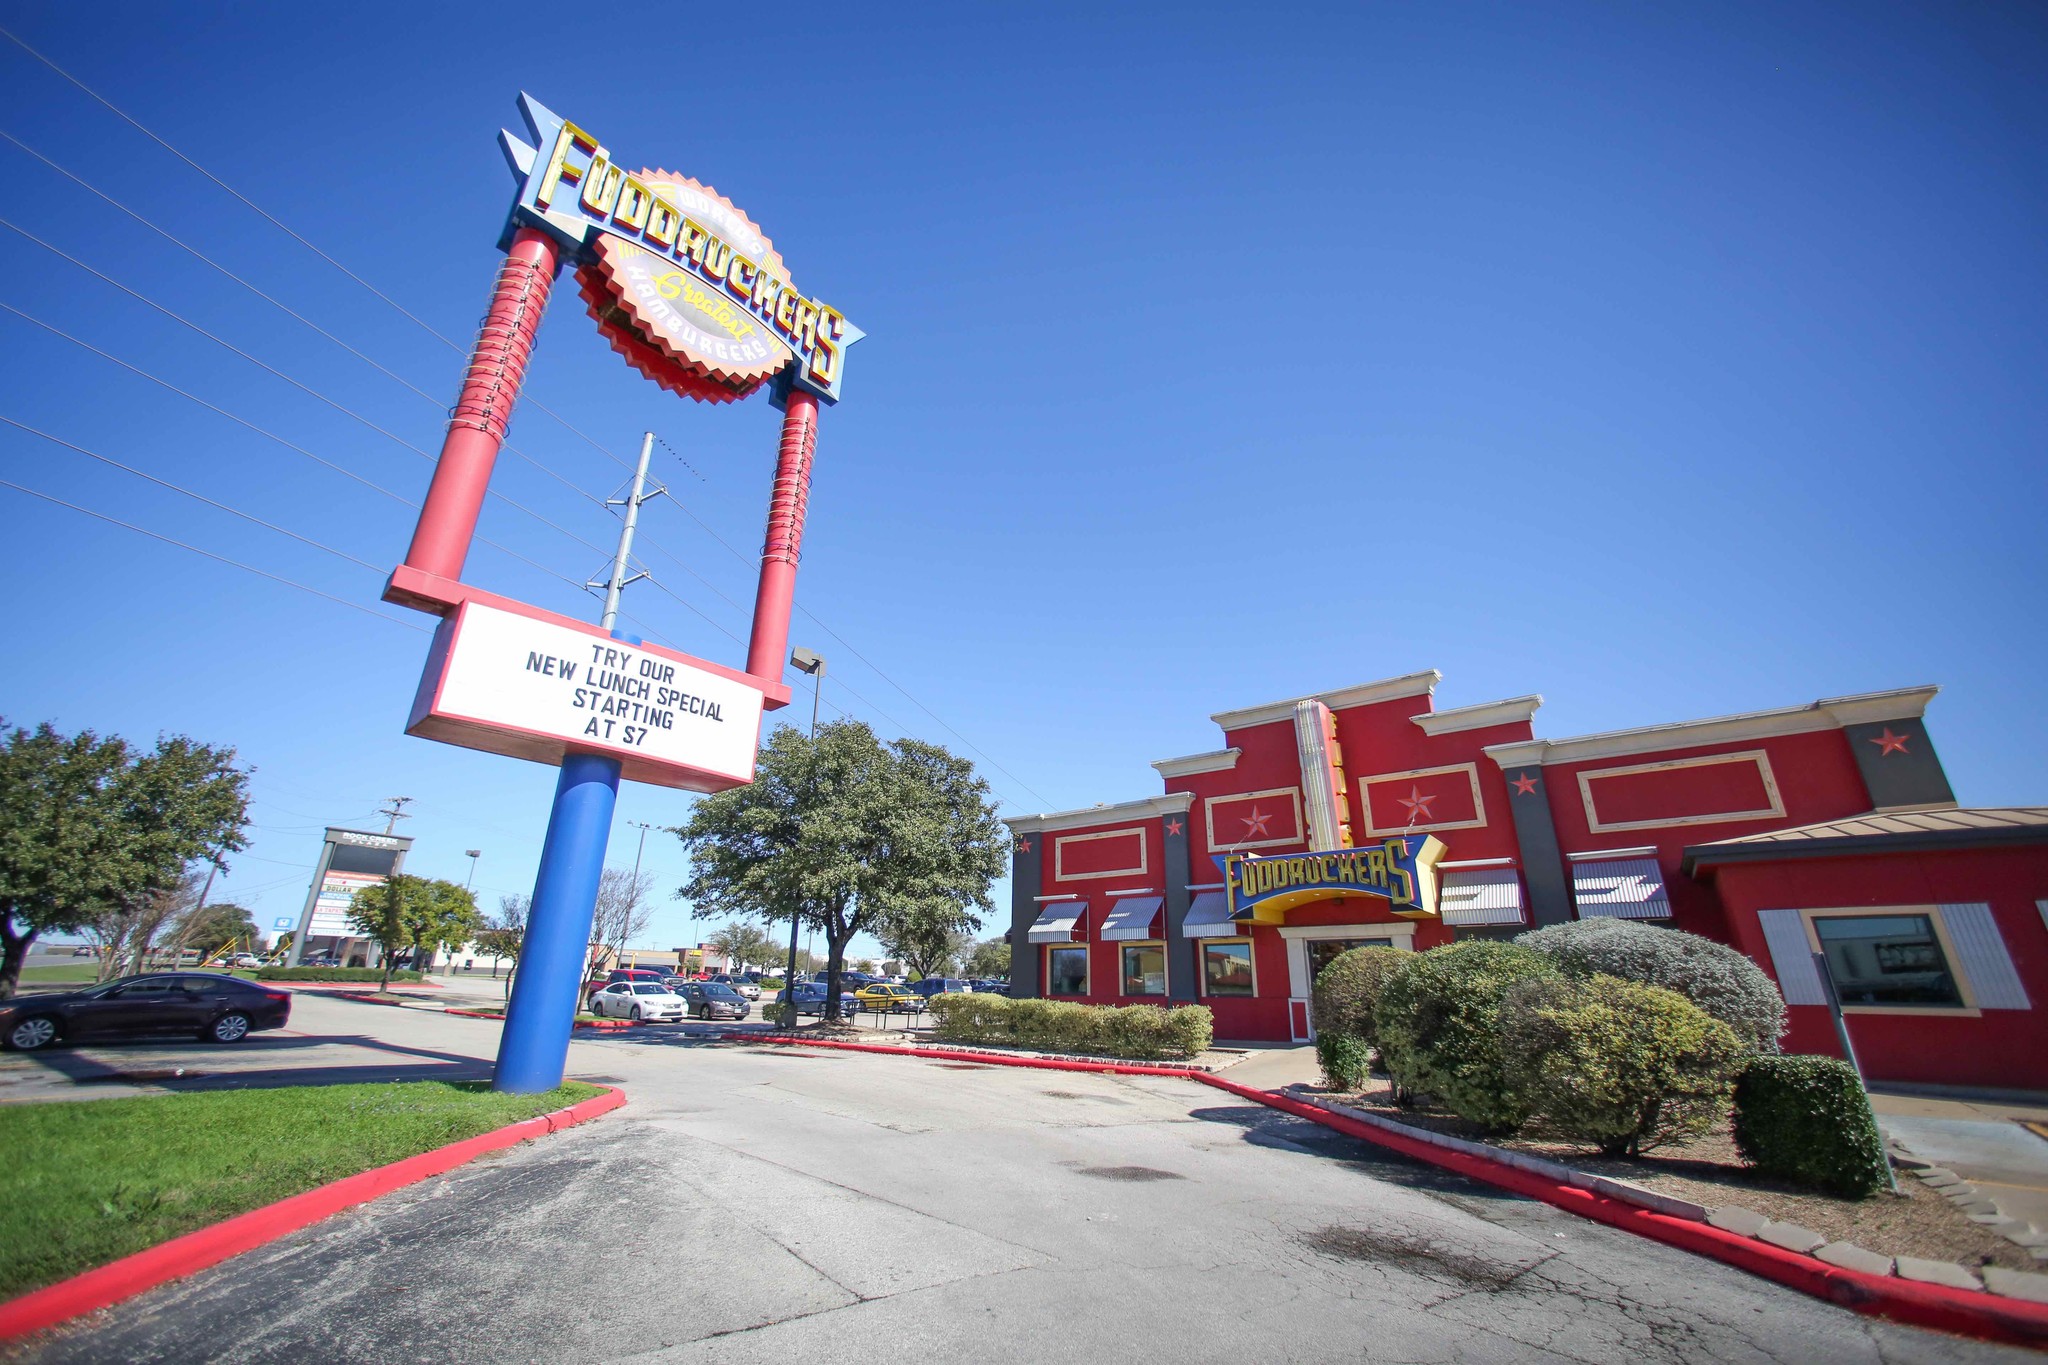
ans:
(1138, 1032)
(1438, 1023)
(1346, 1059)
(1617, 1064)
(1805, 1119)
(775, 1012)
(1348, 990)
(1713, 976)
(330, 974)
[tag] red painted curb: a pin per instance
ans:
(195, 1251)
(1963, 1312)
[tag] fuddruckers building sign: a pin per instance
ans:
(1400, 870)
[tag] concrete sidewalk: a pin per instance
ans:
(1981, 1138)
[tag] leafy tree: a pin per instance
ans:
(413, 912)
(742, 943)
(212, 927)
(836, 830)
(929, 938)
(89, 827)
(990, 957)
(378, 913)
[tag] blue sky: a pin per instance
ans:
(1668, 364)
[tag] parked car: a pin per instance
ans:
(715, 1000)
(647, 1000)
(943, 985)
(749, 989)
(219, 1009)
(322, 960)
(988, 985)
(810, 999)
(247, 960)
(85, 950)
(882, 998)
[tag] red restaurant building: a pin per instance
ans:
(1828, 828)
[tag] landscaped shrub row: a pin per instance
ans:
(1139, 1032)
(330, 974)
(1621, 1036)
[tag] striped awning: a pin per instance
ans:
(1209, 917)
(1060, 922)
(1621, 888)
(1490, 895)
(1134, 918)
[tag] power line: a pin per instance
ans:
(196, 497)
(285, 308)
(265, 432)
(277, 223)
(222, 559)
(308, 389)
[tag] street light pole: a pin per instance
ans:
(472, 854)
(814, 664)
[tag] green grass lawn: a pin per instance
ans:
(85, 973)
(91, 1181)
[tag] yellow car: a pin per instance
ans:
(883, 999)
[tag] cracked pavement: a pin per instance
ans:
(750, 1204)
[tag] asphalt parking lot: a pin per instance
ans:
(756, 1204)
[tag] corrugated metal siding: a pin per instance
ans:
(1993, 979)
(1209, 917)
(1623, 888)
(1481, 896)
(1130, 919)
(1058, 922)
(1792, 957)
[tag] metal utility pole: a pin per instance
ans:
(619, 579)
(472, 854)
(396, 810)
(813, 664)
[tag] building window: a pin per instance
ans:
(1066, 971)
(1227, 968)
(1144, 969)
(1887, 960)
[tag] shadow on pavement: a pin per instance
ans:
(152, 1058)
(1265, 1127)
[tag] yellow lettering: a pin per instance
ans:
(825, 357)
(691, 243)
(558, 168)
(663, 218)
(739, 279)
(1403, 880)
(601, 186)
(634, 201)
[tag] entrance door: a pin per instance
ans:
(1323, 951)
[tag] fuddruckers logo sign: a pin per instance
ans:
(682, 283)
(1400, 870)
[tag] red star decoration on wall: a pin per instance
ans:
(1524, 785)
(1023, 845)
(1173, 826)
(1256, 823)
(1889, 743)
(1417, 804)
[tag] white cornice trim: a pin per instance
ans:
(1387, 689)
(1595, 854)
(1905, 703)
(1220, 761)
(1478, 717)
(1476, 862)
(1123, 813)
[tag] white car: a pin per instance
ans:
(638, 1000)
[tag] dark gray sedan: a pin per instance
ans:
(217, 1009)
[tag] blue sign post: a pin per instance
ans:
(533, 1051)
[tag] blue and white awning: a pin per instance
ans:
(1620, 888)
(1060, 922)
(1209, 917)
(1133, 919)
(1490, 895)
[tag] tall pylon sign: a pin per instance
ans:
(694, 296)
